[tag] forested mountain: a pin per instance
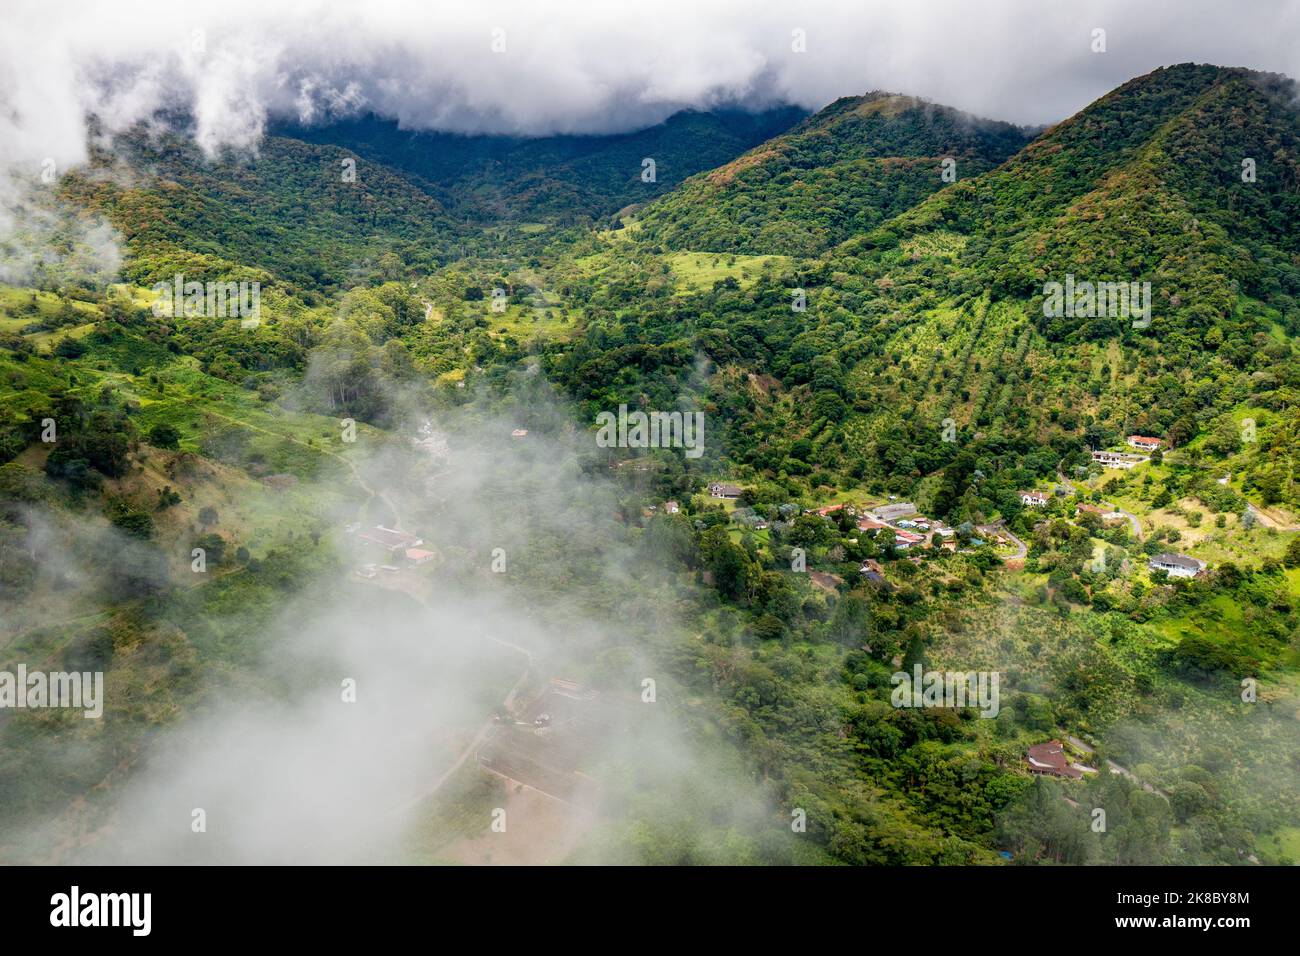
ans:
(852, 166)
(1147, 181)
(556, 178)
(313, 217)
(938, 314)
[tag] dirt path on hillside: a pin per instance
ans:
(473, 745)
(1125, 772)
(1132, 519)
(541, 830)
(1270, 519)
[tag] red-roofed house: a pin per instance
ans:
(905, 539)
(1050, 758)
(1144, 443)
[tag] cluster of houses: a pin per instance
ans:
(910, 528)
(1107, 459)
(396, 545)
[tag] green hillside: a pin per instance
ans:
(289, 212)
(858, 333)
(855, 164)
(554, 178)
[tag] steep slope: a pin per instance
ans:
(1144, 186)
(1145, 183)
(293, 210)
(938, 313)
(929, 321)
(554, 178)
(853, 165)
(921, 368)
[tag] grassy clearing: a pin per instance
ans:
(698, 271)
(524, 323)
(1282, 847)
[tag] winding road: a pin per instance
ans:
(1022, 549)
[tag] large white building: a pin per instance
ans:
(1144, 442)
(1117, 459)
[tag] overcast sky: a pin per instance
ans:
(585, 65)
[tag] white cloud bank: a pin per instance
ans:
(536, 67)
(582, 65)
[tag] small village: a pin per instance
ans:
(910, 533)
(913, 533)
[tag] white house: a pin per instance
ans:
(1034, 499)
(1144, 443)
(1176, 565)
(1117, 459)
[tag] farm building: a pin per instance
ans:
(389, 539)
(871, 570)
(1105, 514)
(894, 512)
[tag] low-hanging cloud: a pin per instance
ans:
(226, 69)
(580, 66)
(270, 761)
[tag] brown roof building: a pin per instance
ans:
(1050, 758)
